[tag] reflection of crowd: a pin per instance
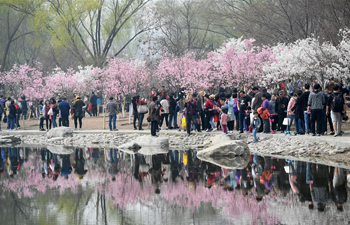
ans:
(312, 183)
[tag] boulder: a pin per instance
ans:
(60, 149)
(218, 139)
(146, 145)
(10, 139)
(228, 154)
(60, 132)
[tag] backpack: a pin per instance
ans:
(337, 103)
(235, 107)
(18, 109)
(2, 109)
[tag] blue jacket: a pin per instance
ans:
(24, 105)
(64, 107)
(93, 100)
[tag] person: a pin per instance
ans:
(80, 171)
(299, 113)
(163, 92)
(2, 110)
(153, 92)
(191, 106)
(24, 107)
(78, 112)
(244, 102)
(208, 109)
(180, 98)
(200, 110)
(320, 183)
(86, 107)
(304, 98)
(140, 112)
(41, 115)
(172, 112)
(55, 110)
(265, 115)
(255, 124)
(339, 190)
(66, 168)
(224, 119)
(273, 113)
(164, 112)
(12, 115)
(336, 105)
(18, 112)
(230, 102)
(328, 113)
(257, 99)
(281, 109)
(64, 108)
(112, 113)
(235, 110)
(291, 113)
(134, 101)
(47, 116)
(316, 103)
(112, 160)
(153, 112)
(93, 101)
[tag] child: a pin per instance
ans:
(224, 119)
(255, 124)
(248, 119)
(183, 122)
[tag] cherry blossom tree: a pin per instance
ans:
(185, 71)
(122, 76)
(24, 80)
(240, 63)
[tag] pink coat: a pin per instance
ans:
(291, 104)
(224, 119)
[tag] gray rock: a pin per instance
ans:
(10, 139)
(217, 139)
(229, 154)
(60, 132)
(60, 149)
(147, 145)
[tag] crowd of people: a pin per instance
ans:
(314, 184)
(251, 110)
(255, 110)
(54, 112)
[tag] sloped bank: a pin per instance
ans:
(297, 147)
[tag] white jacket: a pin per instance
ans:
(165, 104)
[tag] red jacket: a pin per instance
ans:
(208, 104)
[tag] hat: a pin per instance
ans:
(281, 92)
(255, 88)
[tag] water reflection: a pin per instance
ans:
(111, 186)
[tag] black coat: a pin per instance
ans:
(12, 111)
(78, 106)
(279, 102)
(298, 109)
(304, 98)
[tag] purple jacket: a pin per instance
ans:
(191, 107)
(266, 105)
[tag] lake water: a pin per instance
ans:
(107, 186)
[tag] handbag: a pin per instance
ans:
(89, 108)
(5, 119)
(50, 112)
(286, 121)
(149, 119)
(142, 109)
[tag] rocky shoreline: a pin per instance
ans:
(288, 147)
